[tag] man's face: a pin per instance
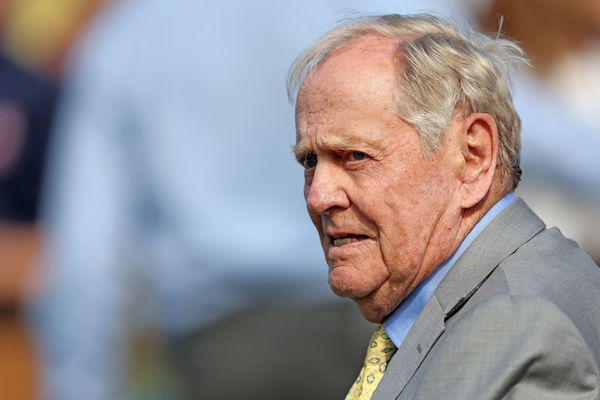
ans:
(382, 208)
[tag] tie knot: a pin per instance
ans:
(381, 348)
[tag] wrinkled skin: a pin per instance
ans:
(396, 213)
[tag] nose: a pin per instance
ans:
(326, 191)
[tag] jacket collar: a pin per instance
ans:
(513, 227)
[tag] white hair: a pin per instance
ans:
(441, 69)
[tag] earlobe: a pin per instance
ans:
(479, 152)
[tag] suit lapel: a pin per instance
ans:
(503, 236)
(513, 227)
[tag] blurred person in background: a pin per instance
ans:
(27, 101)
(34, 37)
(26, 108)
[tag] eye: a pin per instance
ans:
(310, 160)
(357, 156)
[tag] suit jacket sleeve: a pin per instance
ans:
(509, 347)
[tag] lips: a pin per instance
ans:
(346, 239)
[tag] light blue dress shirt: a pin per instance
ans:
(398, 324)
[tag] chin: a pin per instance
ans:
(348, 282)
(348, 290)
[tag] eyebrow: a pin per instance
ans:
(338, 144)
(300, 151)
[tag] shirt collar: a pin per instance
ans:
(398, 323)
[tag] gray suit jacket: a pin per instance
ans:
(517, 317)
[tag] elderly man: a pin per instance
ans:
(410, 144)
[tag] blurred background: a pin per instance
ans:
(153, 237)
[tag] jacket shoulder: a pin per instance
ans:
(515, 346)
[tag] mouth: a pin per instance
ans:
(342, 240)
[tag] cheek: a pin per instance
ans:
(405, 220)
(316, 220)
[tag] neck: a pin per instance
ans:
(471, 216)
(450, 232)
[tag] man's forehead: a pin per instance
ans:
(356, 83)
(360, 61)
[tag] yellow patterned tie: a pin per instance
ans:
(381, 349)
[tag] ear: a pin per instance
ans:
(479, 152)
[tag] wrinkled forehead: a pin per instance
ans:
(364, 63)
